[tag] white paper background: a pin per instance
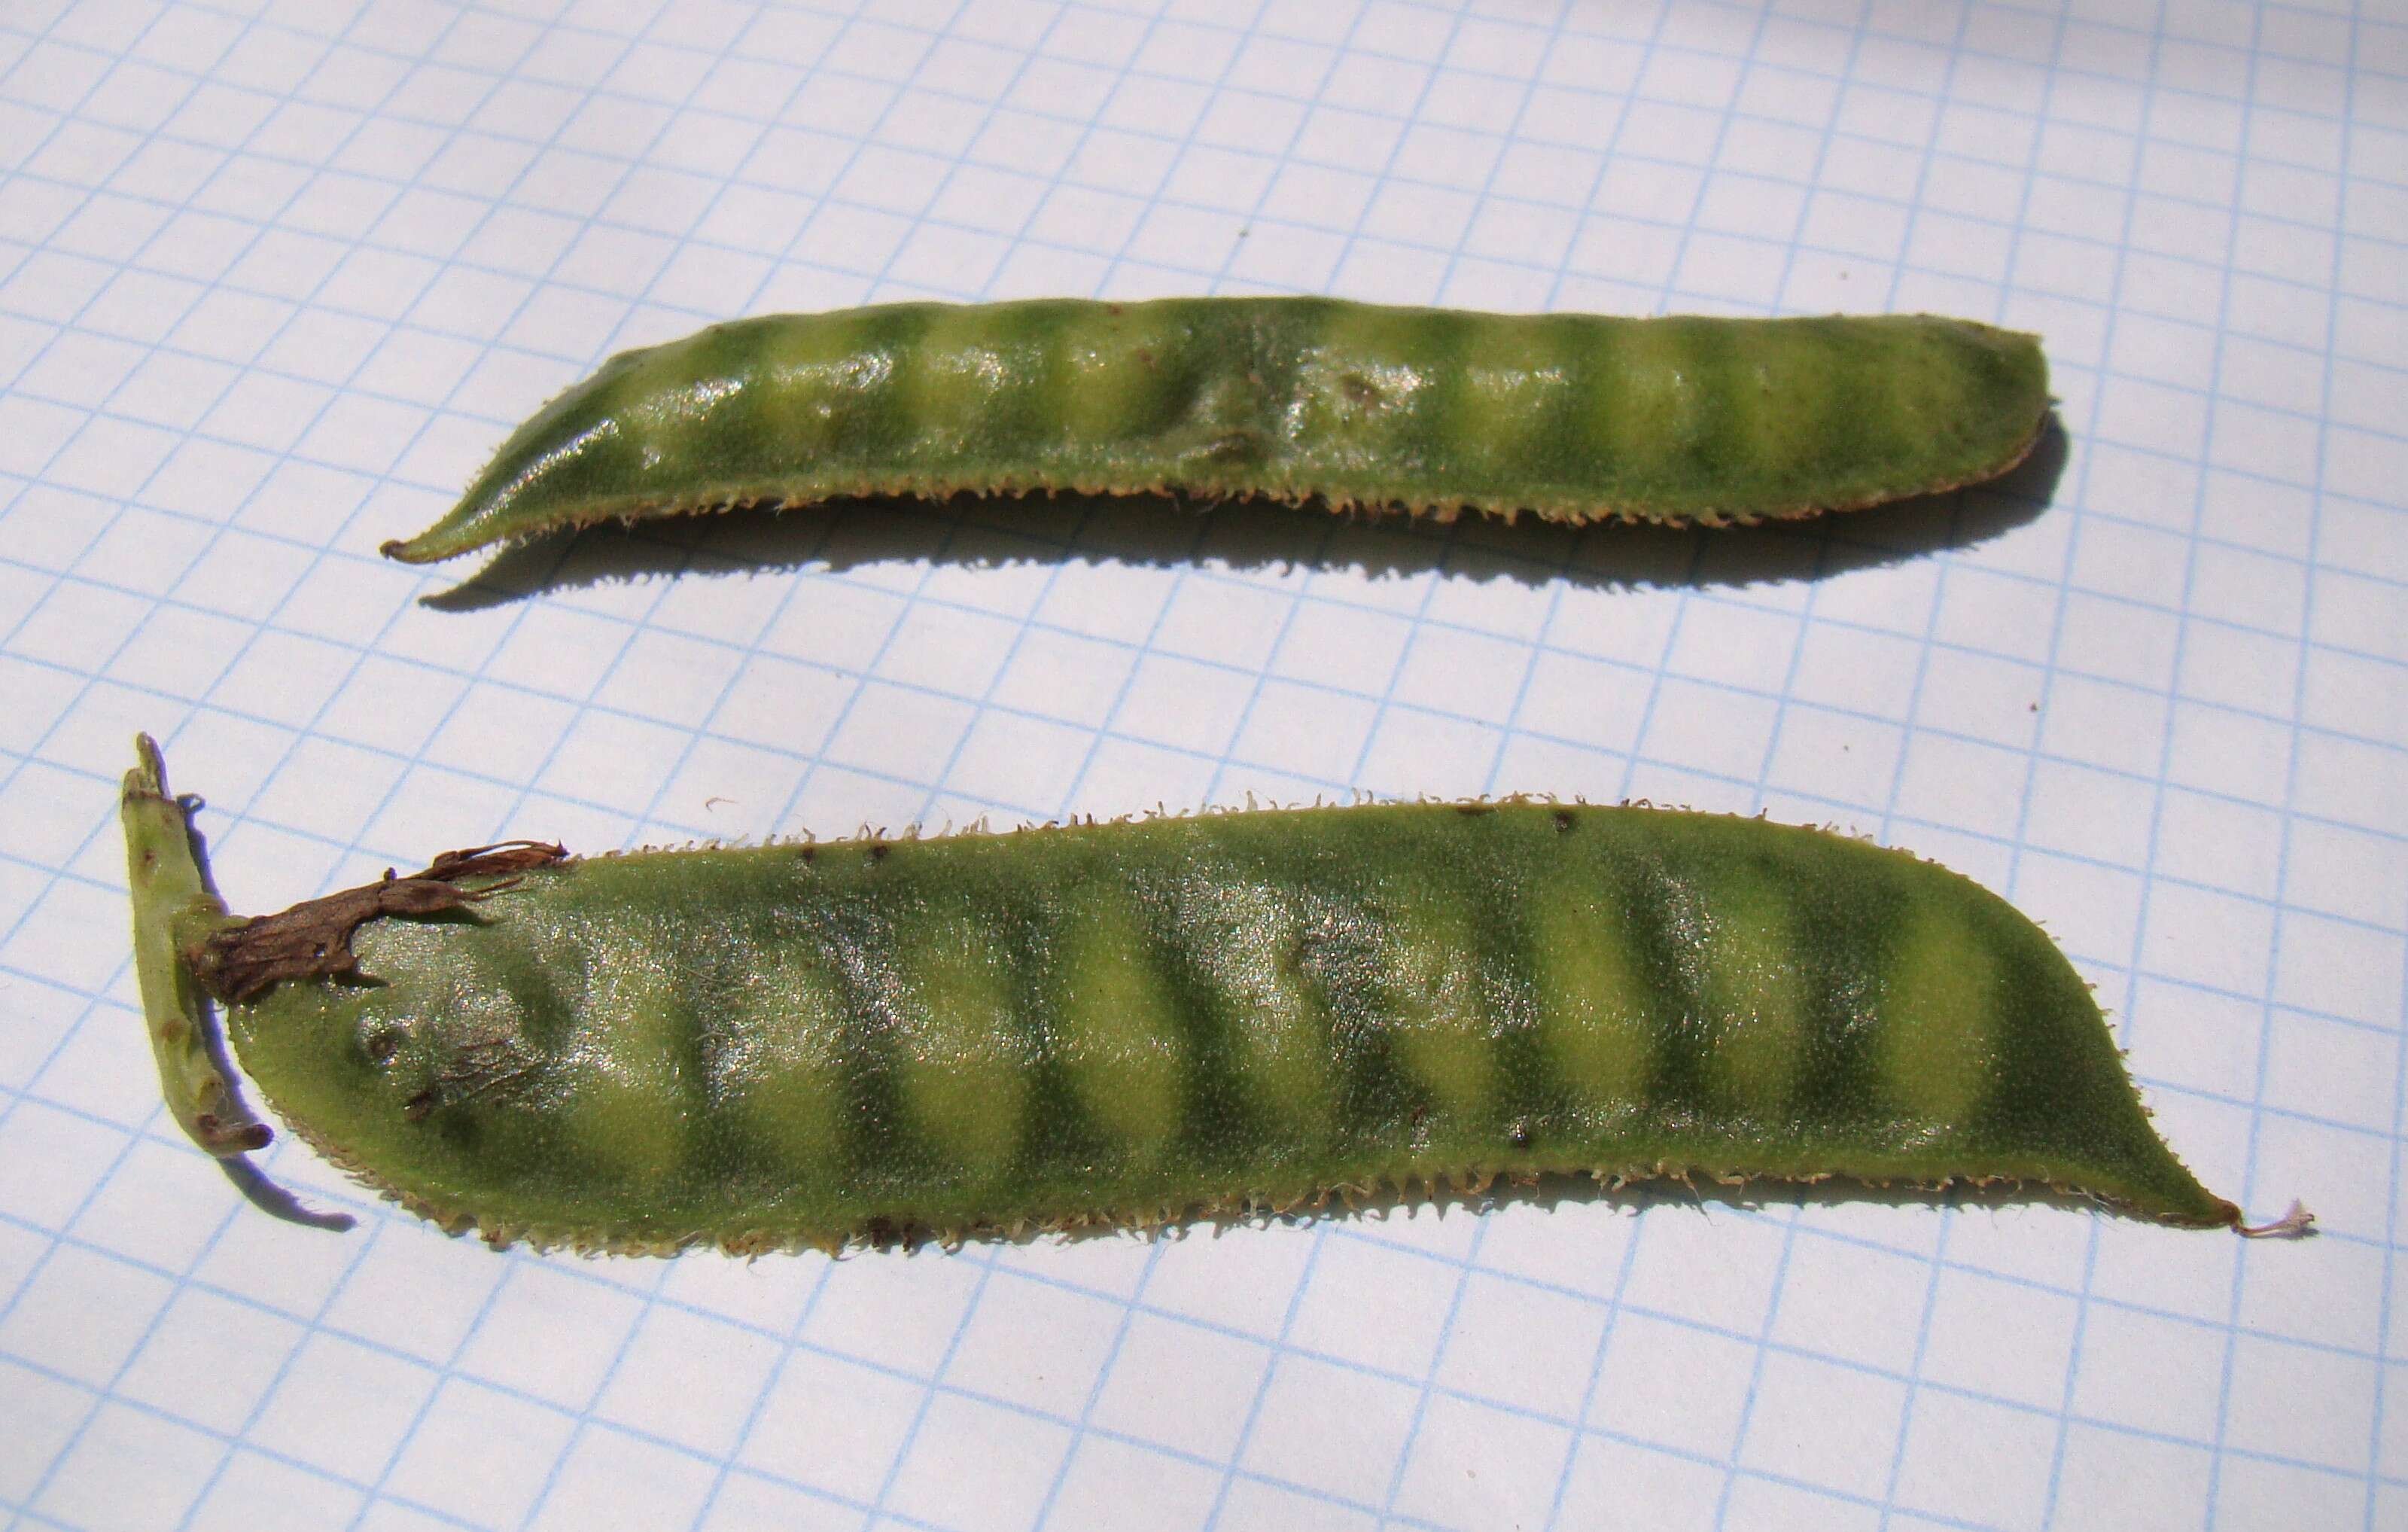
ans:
(273, 277)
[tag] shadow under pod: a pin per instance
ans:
(277, 1202)
(1159, 531)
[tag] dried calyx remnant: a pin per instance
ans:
(313, 939)
(1140, 1022)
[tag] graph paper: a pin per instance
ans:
(275, 276)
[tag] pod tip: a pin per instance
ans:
(2295, 1225)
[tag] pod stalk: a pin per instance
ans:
(173, 909)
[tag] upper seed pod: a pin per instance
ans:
(1574, 417)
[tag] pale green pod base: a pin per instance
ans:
(1150, 1021)
(173, 906)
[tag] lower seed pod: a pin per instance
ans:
(1138, 1022)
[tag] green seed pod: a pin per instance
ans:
(1142, 1020)
(1575, 416)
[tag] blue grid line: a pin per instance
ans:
(1399, 527)
(1030, 815)
(985, 1261)
(2057, 636)
(401, 1447)
(1644, 1195)
(2382, 1400)
(1144, 646)
(930, 220)
(1337, 1230)
(1560, 571)
(1294, 603)
(51, 460)
(877, 1506)
(1732, 1468)
(2078, 955)
(754, 648)
(205, 1249)
(791, 1340)
(1613, 1310)
(2173, 314)
(1939, 1261)
(2212, 705)
(2092, 767)
(1230, 1474)
(1273, 221)
(2200, 203)
(186, 1277)
(1583, 1430)
(1451, 539)
(984, 704)
(8, 779)
(871, 670)
(1371, 732)
(380, 1489)
(1021, 627)
(651, 810)
(1086, 1422)
(2099, 24)
(1823, 538)
(418, 757)
(2153, 1084)
(582, 1415)
(1888, 817)
(2282, 865)
(1449, 534)
(1429, 1384)
(201, 554)
(1399, 532)
(1304, 588)
(1637, 745)
(1736, 112)
(1281, 1351)
(2190, 570)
